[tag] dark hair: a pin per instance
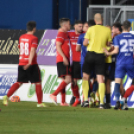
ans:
(31, 25)
(118, 25)
(78, 22)
(62, 20)
(126, 24)
(91, 23)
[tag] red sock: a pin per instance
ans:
(75, 90)
(129, 91)
(63, 93)
(39, 93)
(60, 88)
(13, 88)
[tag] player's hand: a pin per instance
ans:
(26, 66)
(65, 61)
(106, 52)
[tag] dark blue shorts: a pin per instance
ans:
(122, 69)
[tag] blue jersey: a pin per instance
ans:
(83, 48)
(113, 56)
(125, 42)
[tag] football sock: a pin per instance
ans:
(102, 92)
(129, 91)
(85, 87)
(75, 90)
(63, 93)
(60, 88)
(13, 88)
(108, 98)
(39, 93)
(117, 91)
(95, 86)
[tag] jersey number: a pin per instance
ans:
(128, 45)
(24, 48)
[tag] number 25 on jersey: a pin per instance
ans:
(127, 45)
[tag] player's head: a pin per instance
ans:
(98, 18)
(31, 26)
(65, 23)
(85, 26)
(126, 26)
(78, 26)
(116, 28)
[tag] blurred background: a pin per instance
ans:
(14, 14)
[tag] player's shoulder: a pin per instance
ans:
(82, 35)
(30, 36)
(71, 33)
(118, 36)
(60, 33)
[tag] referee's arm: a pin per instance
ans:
(87, 38)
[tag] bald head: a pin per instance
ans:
(98, 18)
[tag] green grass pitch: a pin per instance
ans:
(26, 118)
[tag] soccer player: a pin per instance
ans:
(63, 60)
(110, 74)
(83, 50)
(75, 67)
(96, 38)
(28, 69)
(124, 48)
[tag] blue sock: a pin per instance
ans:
(95, 86)
(117, 91)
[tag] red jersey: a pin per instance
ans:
(76, 56)
(26, 42)
(63, 38)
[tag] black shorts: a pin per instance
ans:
(94, 61)
(63, 70)
(107, 69)
(76, 70)
(110, 71)
(32, 74)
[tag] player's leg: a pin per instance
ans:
(39, 94)
(76, 75)
(110, 78)
(63, 98)
(75, 90)
(10, 92)
(60, 88)
(120, 72)
(130, 72)
(34, 76)
(63, 72)
(128, 92)
(22, 77)
(108, 86)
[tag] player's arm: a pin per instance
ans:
(116, 48)
(87, 37)
(59, 50)
(32, 54)
(115, 51)
(78, 45)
